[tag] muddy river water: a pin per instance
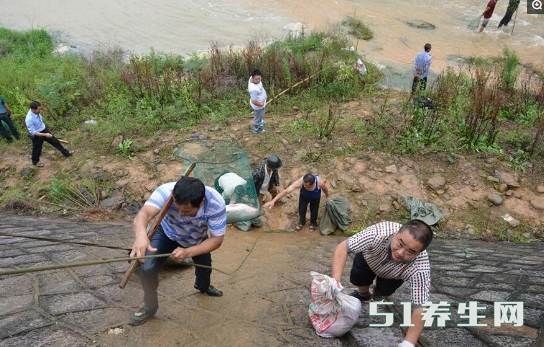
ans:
(185, 26)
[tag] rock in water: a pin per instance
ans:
(421, 24)
(241, 213)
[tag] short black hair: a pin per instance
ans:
(419, 230)
(308, 178)
(256, 72)
(34, 105)
(189, 190)
(427, 47)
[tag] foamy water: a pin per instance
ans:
(184, 26)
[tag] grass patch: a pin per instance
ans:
(357, 28)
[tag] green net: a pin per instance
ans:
(225, 166)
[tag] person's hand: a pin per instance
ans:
(406, 344)
(48, 135)
(140, 246)
(338, 284)
(269, 205)
(179, 254)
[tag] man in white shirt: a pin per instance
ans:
(257, 100)
(39, 133)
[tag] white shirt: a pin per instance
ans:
(34, 122)
(256, 92)
(374, 241)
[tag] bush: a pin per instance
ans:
(357, 28)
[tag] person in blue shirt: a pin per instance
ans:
(7, 128)
(193, 227)
(422, 66)
(40, 133)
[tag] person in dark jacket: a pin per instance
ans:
(266, 177)
(7, 128)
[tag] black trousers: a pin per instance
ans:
(422, 82)
(149, 270)
(361, 275)
(303, 207)
(37, 144)
(7, 128)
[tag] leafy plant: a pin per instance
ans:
(64, 194)
(357, 28)
(126, 149)
(510, 69)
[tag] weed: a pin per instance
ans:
(126, 149)
(510, 70)
(357, 28)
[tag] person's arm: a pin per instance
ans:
(217, 226)
(420, 286)
(339, 259)
(29, 126)
(325, 186)
(139, 226)
(209, 245)
(284, 192)
(413, 332)
(257, 102)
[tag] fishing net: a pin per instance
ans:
(225, 166)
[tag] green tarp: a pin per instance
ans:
(337, 215)
(424, 211)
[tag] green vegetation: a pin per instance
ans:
(125, 148)
(357, 28)
(141, 95)
(486, 106)
(73, 196)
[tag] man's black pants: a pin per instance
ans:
(362, 275)
(303, 207)
(37, 144)
(421, 82)
(7, 128)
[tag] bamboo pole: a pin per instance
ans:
(514, 25)
(96, 262)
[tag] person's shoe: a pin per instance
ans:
(141, 316)
(362, 297)
(69, 154)
(313, 227)
(211, 291)
(254, 131)
(299, 227)
(38, 164)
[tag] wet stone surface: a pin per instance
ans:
(77, 307)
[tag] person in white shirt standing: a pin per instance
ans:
(40, 133)
(422, 65)
(257, 100)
